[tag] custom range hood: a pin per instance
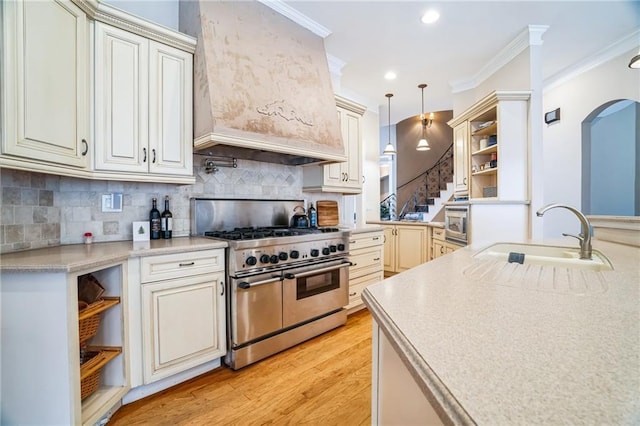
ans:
(262, 88)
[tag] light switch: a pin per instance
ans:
(112, 203)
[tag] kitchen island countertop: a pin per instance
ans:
(75, 257)
(527, 348)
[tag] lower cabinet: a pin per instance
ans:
(405, 246)
(440, 246)
(183, 312)
(366, 255)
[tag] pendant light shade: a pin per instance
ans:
(389, 149)
(635, 62)
(423, 144)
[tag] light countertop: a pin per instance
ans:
(549, 346)
(75, 257)
(407, 222)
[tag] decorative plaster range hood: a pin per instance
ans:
(262, 88)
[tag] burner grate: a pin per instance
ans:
(251, 233)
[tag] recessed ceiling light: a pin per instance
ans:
(390, 75)
(430, 16)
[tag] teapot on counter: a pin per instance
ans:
(299, 219)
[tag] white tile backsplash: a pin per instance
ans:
(39, 210)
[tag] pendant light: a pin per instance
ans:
(389, 149)
(423, 144)
(635, 62)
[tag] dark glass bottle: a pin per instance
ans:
(166, 220)
(154, 218)
(313, 216)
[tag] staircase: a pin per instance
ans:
(432, 188)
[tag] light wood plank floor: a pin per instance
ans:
(326, 380)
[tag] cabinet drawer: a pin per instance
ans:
(369, 239)
(357, 286)
(365, 263)
(438, 234)
(179, 265)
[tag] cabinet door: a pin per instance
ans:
(183, 324)
(389, 248)
(411, 246)
(438, 249)
(352, 169)
(170, 110)
(45, 81)
(461, 158)
(121, 99)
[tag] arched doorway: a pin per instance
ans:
(611, 159)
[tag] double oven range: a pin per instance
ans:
(284, 285)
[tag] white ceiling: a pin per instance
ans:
(373, 37)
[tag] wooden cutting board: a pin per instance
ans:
(327, 213)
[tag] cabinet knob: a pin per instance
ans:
(441, 249)
(464, 181)
(144, 155)
(376, 259)
(221, 288)
(153, 160)
(86, 147)
(352, 294)
(187, 264)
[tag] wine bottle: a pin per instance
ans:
(313, 216)
(154, 218)
(166, 220)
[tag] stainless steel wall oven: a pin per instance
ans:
(456, 223)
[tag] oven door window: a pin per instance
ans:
(316, 284)
(456, 224)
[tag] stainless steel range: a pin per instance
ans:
(285, 285)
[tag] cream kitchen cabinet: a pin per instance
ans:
(39, 344)
(440, 246)
(183, 311)
(405, 246)
(143, 107)
(45, 85)
(343, 177)
(366, 255)
(461, 159)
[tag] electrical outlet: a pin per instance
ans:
(112, 203)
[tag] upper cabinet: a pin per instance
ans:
(45, 83)
(461, 159)
(491, 140)
(343, 177)
(142, 86)
(143, 106)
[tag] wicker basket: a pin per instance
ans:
(89, 318)
(91, 363)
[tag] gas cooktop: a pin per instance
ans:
(253, 233)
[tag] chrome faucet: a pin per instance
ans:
(585, 235)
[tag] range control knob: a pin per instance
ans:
(314, 253)
(251, 260)
(283, 256)
(333, 248)
(264, 258)
(294, 254)
(273, 258)
(326, 251)
(340, 247)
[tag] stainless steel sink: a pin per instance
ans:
(533, 254)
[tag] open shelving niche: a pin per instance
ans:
(487, 177)
(111, 335)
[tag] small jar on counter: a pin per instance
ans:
(88, 237)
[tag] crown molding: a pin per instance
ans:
(603, 56)
(284, 9)
(335, 65)
(531, 36)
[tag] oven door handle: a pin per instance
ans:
(317, 271)
(245, 285)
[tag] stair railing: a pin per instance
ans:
(388, 207)
(412, 202)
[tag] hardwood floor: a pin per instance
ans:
(326, 380)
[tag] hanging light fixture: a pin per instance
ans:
(423, 144)
(635, 62)
(389, 149)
